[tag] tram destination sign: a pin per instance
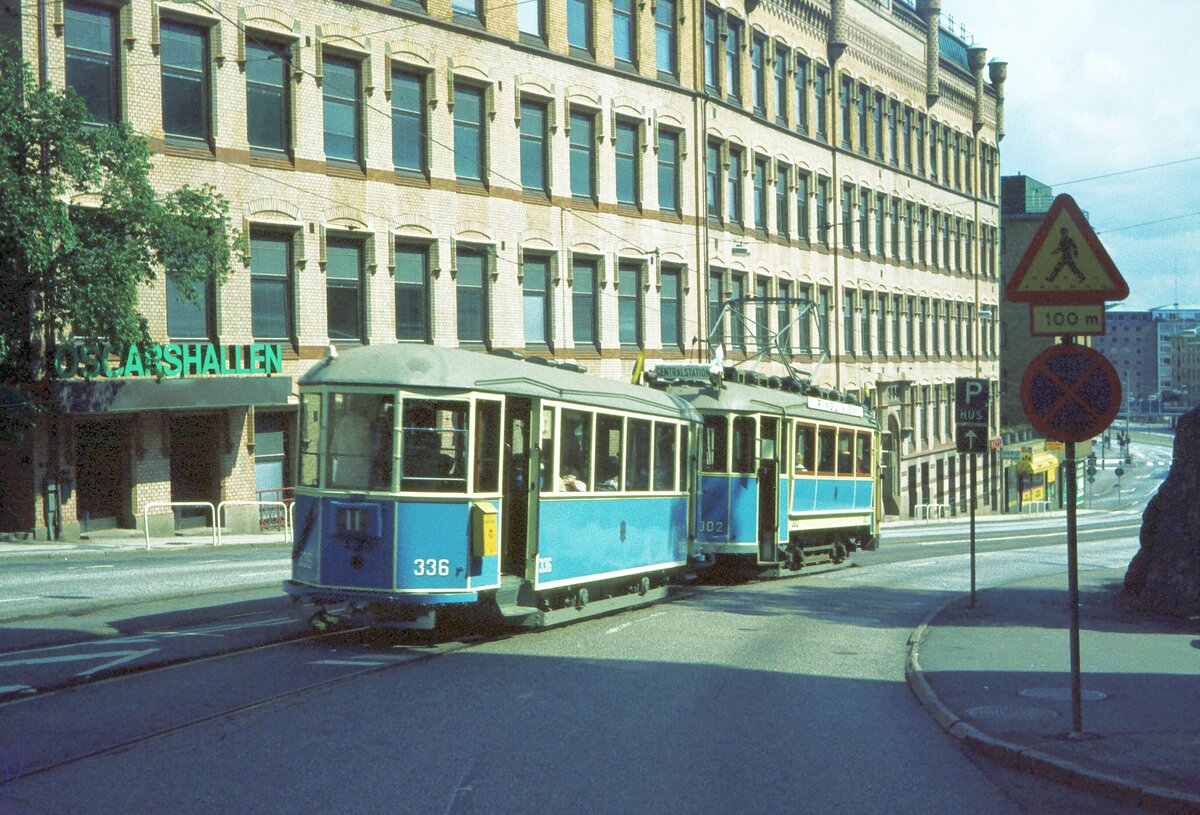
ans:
(90, 359)
(683, 372)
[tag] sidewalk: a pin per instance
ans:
(111, 541)
(997, 677)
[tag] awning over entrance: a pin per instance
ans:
(130, 395)
(1040, 463)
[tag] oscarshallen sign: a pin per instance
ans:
(89, 359)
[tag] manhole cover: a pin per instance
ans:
(1013, 714)
(1061, 694)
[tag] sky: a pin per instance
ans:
(1105, 86)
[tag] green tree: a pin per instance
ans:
(82, 230)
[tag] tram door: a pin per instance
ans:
(768, 490)
(516, 486)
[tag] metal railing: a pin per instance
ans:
(285, 514)
(212, 511)
(928, 512)
(1035, 507)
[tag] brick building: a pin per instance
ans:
(575, 180)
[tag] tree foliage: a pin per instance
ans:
(82, 230)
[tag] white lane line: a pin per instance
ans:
(101, 566)
(14, 689)
(258, 574)
(357, 664)
(622, 626)
(1055, 534)
(16, 599)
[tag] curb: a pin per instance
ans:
(1016, 756)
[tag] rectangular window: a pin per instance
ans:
(923, 328)
(575, 450)
(712, 49)
(758, 74)
(583, 155)
(825, 317)
(783, 218)
(624, 33)
(762, 327)
(933, 151)
(579, 25)
(344, 289)
(845, 95)
(922, 231)
(665, 459)
(734, 185)
(802, 75)
(881, 337)
(848, 323)
(409, 125)
(804, 338)
(894, 224)
(412, 292)
(470, 137)
(845, 448)
(185, 88)
(802, 205)
(893, 142)
(826, 451)
(671, 309)
(712, 179)
(823, 218)
(877, 124)
(531, 19)
(471, 295)
(737, 320)
(715, 447)
(743, 444)
(946, 328)
(467, 8)
(433, 455)
(908, 232)
(760, 194)
(343, 119)
(536, 299)
(629, 305)
(864, 324)
(920, 147)
(860, 105)
(90, 38)
(784, 313)
(848, 217)
(583, 302)
(270, 286)
(880, 214)
(665, 38)
(806, 449)
(668, 171)
(935, 336)
(629, 176)
(820, 92)
(781, 85)
(609, 452)
(716, 324)
(268, 73)
(897, 305)
(188, 319)
(733, 59)
(864, 221)
(912, 326)
(637, 455)
(361, 432)
(906, 124)
(534, 156)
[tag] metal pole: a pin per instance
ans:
(1073, 590)
(973, 462)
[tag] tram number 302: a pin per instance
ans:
(431, 567)
(712, 526)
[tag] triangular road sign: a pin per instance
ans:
(1065, 262)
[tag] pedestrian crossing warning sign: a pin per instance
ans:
(1065, 262)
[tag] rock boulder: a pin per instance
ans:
(1164, 576)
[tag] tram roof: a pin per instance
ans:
(734, 397)
(434, 370)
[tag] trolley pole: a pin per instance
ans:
(1073, 590)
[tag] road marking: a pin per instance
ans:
(101, 566)
(258, 574)
(359, 663)
(617, 628)
(16, 599)
(1054, 534)
(121, 658)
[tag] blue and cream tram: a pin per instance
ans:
(440, 482)
(786, 478)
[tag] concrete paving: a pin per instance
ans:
(997, 677)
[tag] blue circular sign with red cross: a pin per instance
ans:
(1070, 392)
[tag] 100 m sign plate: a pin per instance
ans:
(1057, 320)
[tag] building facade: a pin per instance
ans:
(587, 182)
(1141, 346)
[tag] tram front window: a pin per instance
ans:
(434, 453)
(361, 429)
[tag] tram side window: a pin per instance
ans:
(845, 452)
(310, 439)
(361, 429)
(716, 443)
(826, 449)
(684, 473)
(608, 452)
(664, 457)
(546, 456)
(637, 457)
(743, 444)
(806, 449)
(487, 446)
(862, 458)
(434, 455)
(575, 451)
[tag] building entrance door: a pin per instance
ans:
(195, 465)
(101, 473)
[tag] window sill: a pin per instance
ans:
(470, 187)
(173, 146)
(344, 169)
(272, 160)
(407, 178)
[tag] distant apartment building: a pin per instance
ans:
(1185, 367)
(584, 182)
(1139, 345)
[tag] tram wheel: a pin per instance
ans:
(643, 586)
(581, 598)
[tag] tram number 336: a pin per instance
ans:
(431, 567)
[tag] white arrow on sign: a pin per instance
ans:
(120, 658)
(971, 436)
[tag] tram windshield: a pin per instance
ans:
(361, 429)
(433, 456)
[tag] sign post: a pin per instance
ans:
(971, 410)
(1069, 392)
